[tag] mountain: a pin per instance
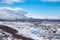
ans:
(15, 14)
(12, 15)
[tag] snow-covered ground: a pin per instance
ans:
(27, 29)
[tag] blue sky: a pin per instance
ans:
(35, 7)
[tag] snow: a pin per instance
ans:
(29, 30)
(19, 13)
(11, 14)
(25, 29)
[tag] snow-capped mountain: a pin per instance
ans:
(10, 14)
(16, 13)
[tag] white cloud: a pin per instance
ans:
(11, 1)
(21, 1)
(13, 9)
(50, 0)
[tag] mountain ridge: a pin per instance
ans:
(7, 14)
